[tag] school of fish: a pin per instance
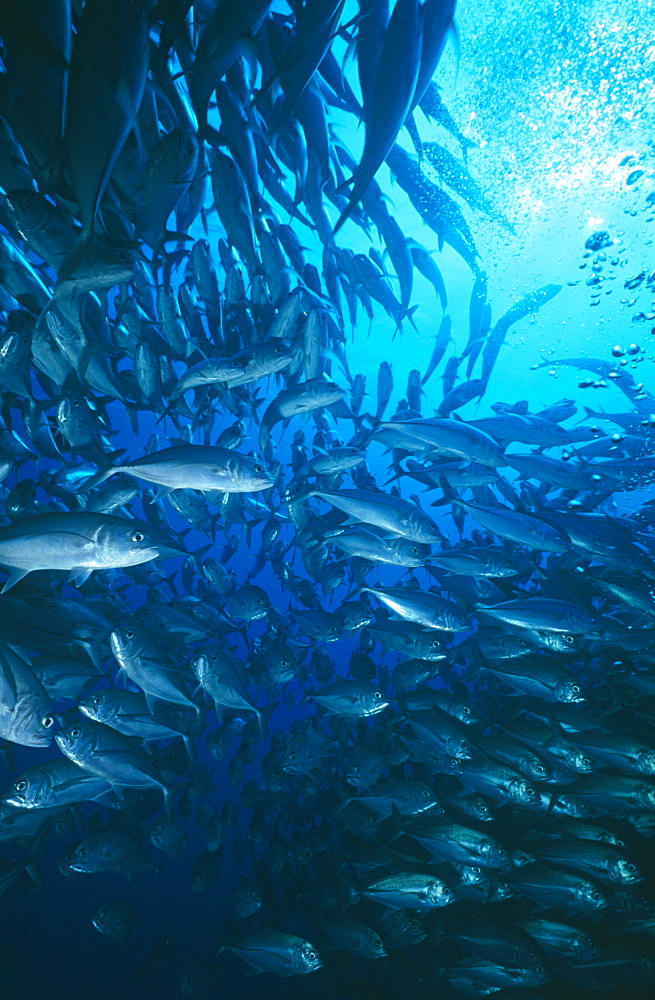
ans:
(394, 664)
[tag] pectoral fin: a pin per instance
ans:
(79, 575)
(15, 576)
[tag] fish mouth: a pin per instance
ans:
(63, 741)
(40, 741)
(76, 866)
(12, 800)
(146, 552)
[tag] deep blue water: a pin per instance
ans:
(555, 102)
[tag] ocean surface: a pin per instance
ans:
(528, 287)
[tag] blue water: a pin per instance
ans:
(556, 99)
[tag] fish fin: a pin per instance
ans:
(106, 799)
(96, 480)
(161, 492)
(263, 716)
(554, 799)
(93, 653)
(15, 576)
(79, 575)
(8, 693)
(32, 870)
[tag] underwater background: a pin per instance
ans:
(183, 264)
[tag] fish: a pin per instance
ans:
(75, 541)
(274, 951)
(115, 919)
(55, 784)
(149, 666)
(351, 697)
(108, 754)
(25, 708)
(390, 94)
(301, 398)
(422, 607)
(392, 514)
(409, 891)
(218, 675)
(354, 937)
(192, 467)
(339, 659)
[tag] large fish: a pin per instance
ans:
(192, 466)
(390, 95)
(108, 69)
(79, 542)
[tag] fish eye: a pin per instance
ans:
(82, 852)
(52, 606)
(20, 786)
(629, 867)
(48, 721)
(576, 688)
(311, 955)
(293, 755)
(129, 634)
(426, 794)
(415, 550)
(595, 894)
(568, 639)
(75, 733)
(138, 536)
(377, 694)
(585, 761)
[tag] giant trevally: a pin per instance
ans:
(77, 541)
(193, 466)
(275, 951)
(54, 784)
(391, 513)
(108, 754)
